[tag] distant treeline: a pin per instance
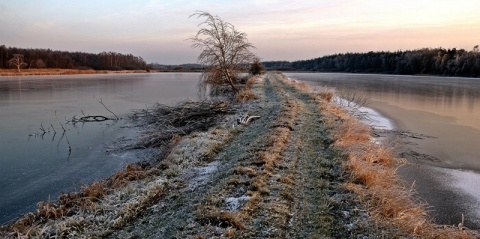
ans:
(435, 61)
(46, 58)
(182, 67)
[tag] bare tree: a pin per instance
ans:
(225, 52)
(17, 61)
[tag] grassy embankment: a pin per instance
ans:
(56, 71)
(373, 178)
(304, 169)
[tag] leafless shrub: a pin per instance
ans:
(225, 52)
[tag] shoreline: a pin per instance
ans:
(449, 192)
(60, 71)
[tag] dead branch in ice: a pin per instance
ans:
(64, 134)
(101, 102)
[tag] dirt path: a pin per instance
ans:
(276, 178)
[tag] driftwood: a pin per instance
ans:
(162, 123)
(245, 119)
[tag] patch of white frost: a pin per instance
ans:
(233, 204)
(201, 175)
(465, 182)
(367, 115)
(376, 120)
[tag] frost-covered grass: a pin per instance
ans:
(103, 207)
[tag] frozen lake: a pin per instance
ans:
(36, 166)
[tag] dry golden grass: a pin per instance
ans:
(249, 171)
(215, 216)
(252, 206)
(87, 198)
(251, 81)
(374, 178)
(244, 95)
(326, 95)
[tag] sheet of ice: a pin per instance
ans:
(375, 119)
(464, 182)
(367, 115)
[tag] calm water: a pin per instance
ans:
(445, 108)
(35, 167)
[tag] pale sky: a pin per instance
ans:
(280, 30)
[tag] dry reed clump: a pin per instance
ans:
(326, 95)
(374, 178)
(244, 95)
(249, 171)
(245, 92)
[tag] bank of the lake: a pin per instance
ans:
(437, 124)
(450, 192)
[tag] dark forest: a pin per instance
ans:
(431, 61)
(46, 58)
